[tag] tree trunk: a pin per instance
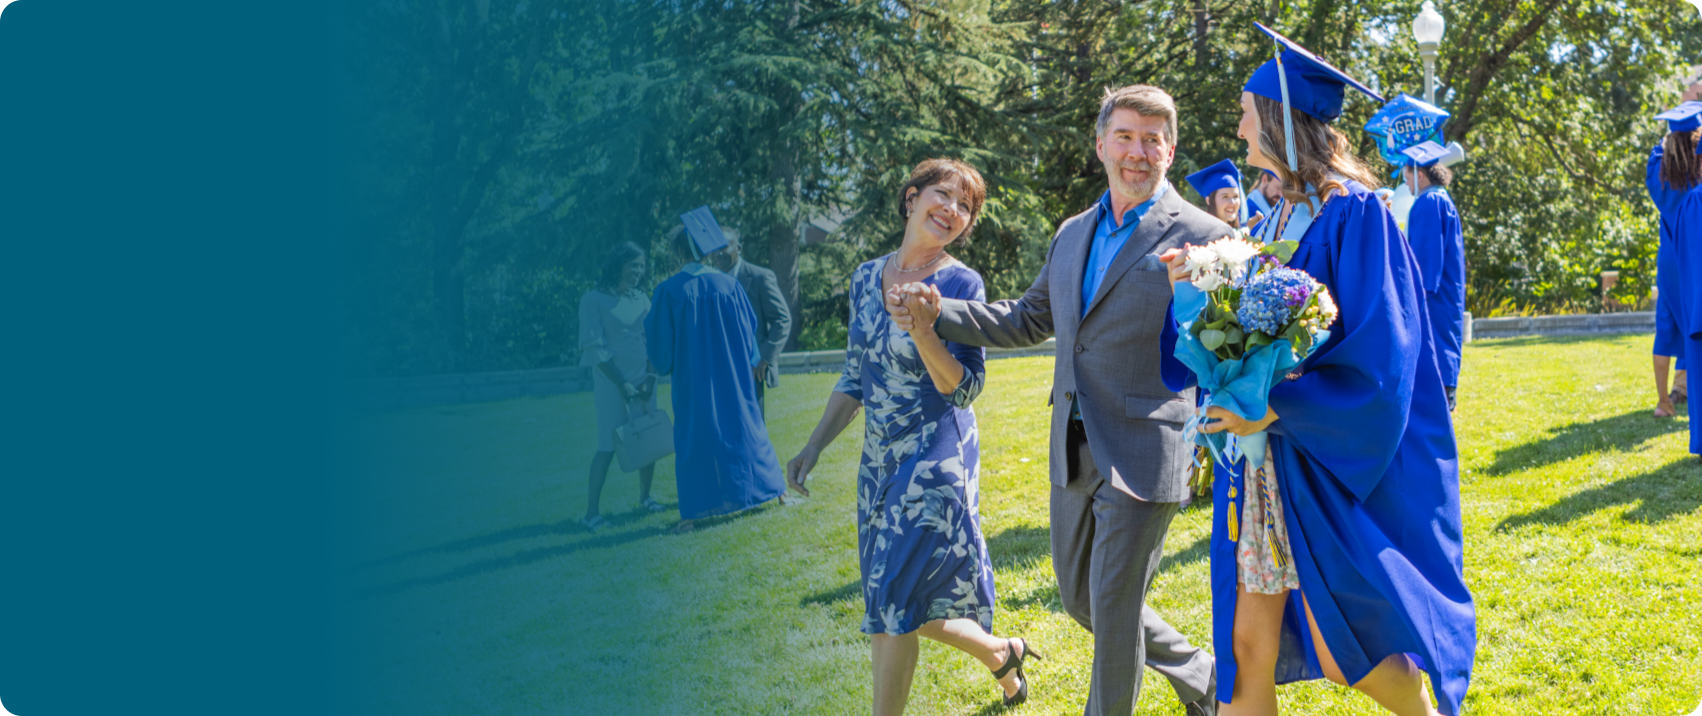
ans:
(1202, 25)
(785, 233)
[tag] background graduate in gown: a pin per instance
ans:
(1674, 173)
(702, 330)
(1669, 334)
(1361, 439)
(1439, 243)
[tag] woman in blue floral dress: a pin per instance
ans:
(924, 563)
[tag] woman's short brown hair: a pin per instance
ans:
(940, 171)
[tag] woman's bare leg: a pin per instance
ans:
(894, 659)
(966, 635)
(1258, 632)
(1663, 399)
(1395, 684)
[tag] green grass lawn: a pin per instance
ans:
(481, 595)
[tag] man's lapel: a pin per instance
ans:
(1152, 229)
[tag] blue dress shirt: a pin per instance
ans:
(1108, 240)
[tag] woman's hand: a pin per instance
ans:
(1177, 260)
(798, 470)
(1234, 423)
(922, 303)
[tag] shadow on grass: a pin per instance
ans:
(539, 554)
(1619, 433)
(1670, 491)
(566, 527)
(1191, 554)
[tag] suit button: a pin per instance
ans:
(1080, 348)
(1069, 396)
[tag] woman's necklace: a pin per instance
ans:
(936, 260)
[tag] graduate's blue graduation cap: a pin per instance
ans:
(1222, 175)
(1686, 117)
(1424, 154)
(1304, 81)
(1404, 122)
(706, 235)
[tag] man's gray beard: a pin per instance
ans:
(1143, 189)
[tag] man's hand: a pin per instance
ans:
(760, 371)
(1177, 260)
(1257, 217)
(923, 308)
(895, 303)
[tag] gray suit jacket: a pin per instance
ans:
(1107, 360)
(773, 317)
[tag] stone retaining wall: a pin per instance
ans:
(391, 393)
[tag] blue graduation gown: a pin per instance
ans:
(1669, 332)
(702, 329)
(1439, 244)
(1367, 470)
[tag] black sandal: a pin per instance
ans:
(1013, 661)
(1677, 397)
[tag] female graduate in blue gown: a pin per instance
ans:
(1673, 177)
(1361, 440)
(1438, 243)
(702, 330)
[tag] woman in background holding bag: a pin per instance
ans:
(611, 342)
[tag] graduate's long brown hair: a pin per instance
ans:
(1680, 166)
(1318, 148)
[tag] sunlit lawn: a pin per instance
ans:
(481, 595)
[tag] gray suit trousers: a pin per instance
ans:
(1106, 547)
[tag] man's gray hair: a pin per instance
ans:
(1145, 100)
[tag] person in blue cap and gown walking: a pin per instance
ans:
(1363, 581)
(1682, 123)
(1438, 242)
(1674, 172)
(702, 330)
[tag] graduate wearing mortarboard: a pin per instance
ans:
(1438, 242)
(702, 329)
(1682, 123)
(1362, 581)
(1220, 185)
(1674, 173)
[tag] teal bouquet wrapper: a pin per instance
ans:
(1241, 386)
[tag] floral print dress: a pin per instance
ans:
(919, 538)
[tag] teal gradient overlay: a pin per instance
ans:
(168, 218)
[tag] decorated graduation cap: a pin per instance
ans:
(1405, 121)
(1686, 117)
(1424, 154)
(706, 235)
(1302, 81)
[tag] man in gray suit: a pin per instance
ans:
(1118, 461)
(773, 317)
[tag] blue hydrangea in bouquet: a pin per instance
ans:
(1245, 321)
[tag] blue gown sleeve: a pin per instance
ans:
(973, 358)
(1175, 373)
(1424, 234)
(1666, 198)
(1350, 406)
(659, 331)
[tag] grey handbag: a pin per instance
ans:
(644, 439)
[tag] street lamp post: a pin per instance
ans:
(1427, 29)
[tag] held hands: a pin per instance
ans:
(798, 470)
(914, 306)
(1233, 423)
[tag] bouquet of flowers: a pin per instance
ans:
(1246, 321)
